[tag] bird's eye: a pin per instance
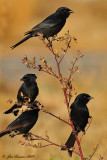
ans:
(84, 96)
(65, 10)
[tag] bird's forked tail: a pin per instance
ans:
(70, 143)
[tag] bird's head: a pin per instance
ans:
(29, 78)
(64, 12)
(83, 98)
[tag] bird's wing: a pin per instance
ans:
(23, 93)
(19, 122)
(19, 96)
(72, 113)
(33, 92)
(81, 117)
(24, 119)
(49, 22)
(16, 126)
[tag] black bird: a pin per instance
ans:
(79, 116)
(27, 93)
(23, 123)
(48, 27)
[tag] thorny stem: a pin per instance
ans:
(72, 68)
(95, 149)
(67, 103)
(52, 143)
(56, 116)
(47, 145)
(56, 61)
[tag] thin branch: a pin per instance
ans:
(40, 106)
(61, 58)
(67, 103)
(52, 50)
(56, 116)
(29, 64)
(95, 149)
(86, 129)
(45, 146)
(52, 143)
(100, 157)
(72, 68)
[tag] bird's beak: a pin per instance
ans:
(70, 11)
(91, 97)
(21, 79)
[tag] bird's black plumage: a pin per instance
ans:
(50, 26)
(23, 123)
(79, 116)
(27, 92)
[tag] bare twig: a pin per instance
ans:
(100, 157)
(52, 143)
(30, 64)
(55, 116)
(86, 129)
(95, 149)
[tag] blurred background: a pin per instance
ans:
(89, 25)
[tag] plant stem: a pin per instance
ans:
(56, 116)
(52, 143)
(78, 142)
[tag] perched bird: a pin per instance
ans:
(79, 116)
(23, 123)
(27, 93)
(48, 27)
